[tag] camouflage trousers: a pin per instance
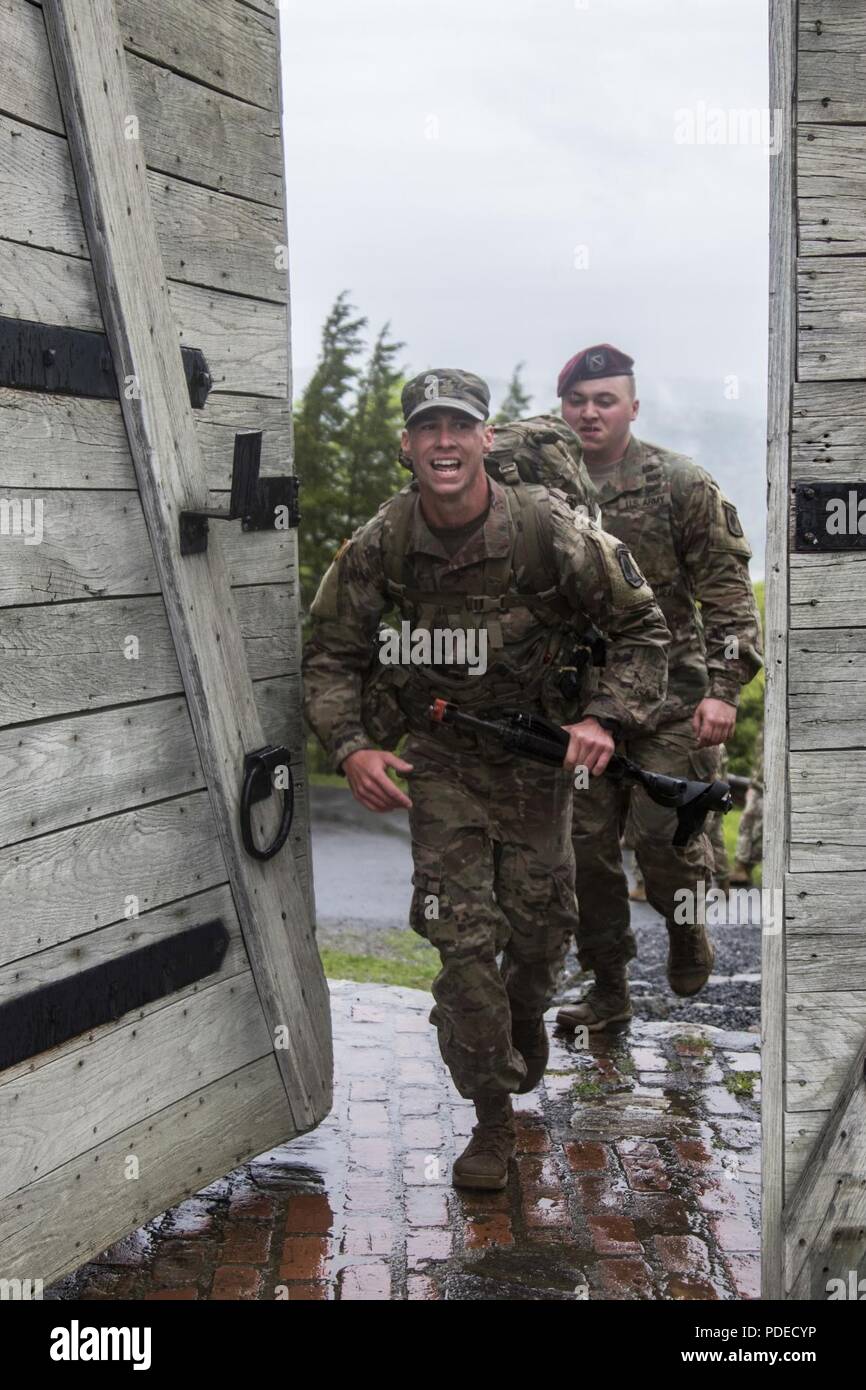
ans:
(716, 834)
(750, 837)
(493, 873)
(604, 929)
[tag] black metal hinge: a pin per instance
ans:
(54, 1013)
(76, 362)
(255, 502)
(830, 516)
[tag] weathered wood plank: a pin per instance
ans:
(110, 943)
(92, 81)
(801, 1131)
(827, 676)
(61, 1110)
(826, 960)
(52, 441)
(835, 400)
(832, 336)
(782, 354)
(65, 660)
(221, 43)
(185, 129)
(824, 1033)
(828, 904)
(96, 544)
(829, 1204)
(832, 226)
(831, 85)
(88, 1203)
(828, 811)
(245, 341)
(827, 591)
(68, 771)
(830, 162)
(837, 26)
(66, 884)
(226, 45)
(206, 238)
(829, 430)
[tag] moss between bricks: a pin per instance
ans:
(741, 1083)
(587, 1090)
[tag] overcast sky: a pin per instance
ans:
(507, 180)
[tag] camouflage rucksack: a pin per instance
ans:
(545, 450)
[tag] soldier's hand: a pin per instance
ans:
(367, 776)
(589, 746)
(714, 721)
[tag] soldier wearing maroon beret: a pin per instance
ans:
(687, 540)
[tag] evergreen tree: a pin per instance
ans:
(323, 429)
(517, 399)
(373, 471)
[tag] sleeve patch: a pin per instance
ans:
(630, 572)
(732, 519)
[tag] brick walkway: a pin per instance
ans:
(637, 1177)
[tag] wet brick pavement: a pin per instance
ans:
(637, 1177)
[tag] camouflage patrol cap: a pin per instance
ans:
(599, 361)
(448, 389)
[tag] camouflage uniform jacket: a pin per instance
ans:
(594, 579)
(689, 543)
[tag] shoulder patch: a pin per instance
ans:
(630, 572)
(732, 519)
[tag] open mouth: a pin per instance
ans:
(446, 465)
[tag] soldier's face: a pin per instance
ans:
(601, 412)
(447, 450)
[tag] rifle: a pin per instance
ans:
(532, 736)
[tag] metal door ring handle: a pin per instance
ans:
(258, 768)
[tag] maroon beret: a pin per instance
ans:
(599, 361)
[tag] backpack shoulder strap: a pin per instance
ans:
(398, 511)
(530, 515)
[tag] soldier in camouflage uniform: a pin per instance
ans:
(750, 837)
(688, 541)
(490, 832)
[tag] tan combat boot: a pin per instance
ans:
(484, 1161)
(605, 1004)
(529, 1036)
(691, 956)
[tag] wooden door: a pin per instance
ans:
(814, 998)
(144, 199)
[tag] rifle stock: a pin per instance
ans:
(532, 736)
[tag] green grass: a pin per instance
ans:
(731, 827)
(408, 960)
